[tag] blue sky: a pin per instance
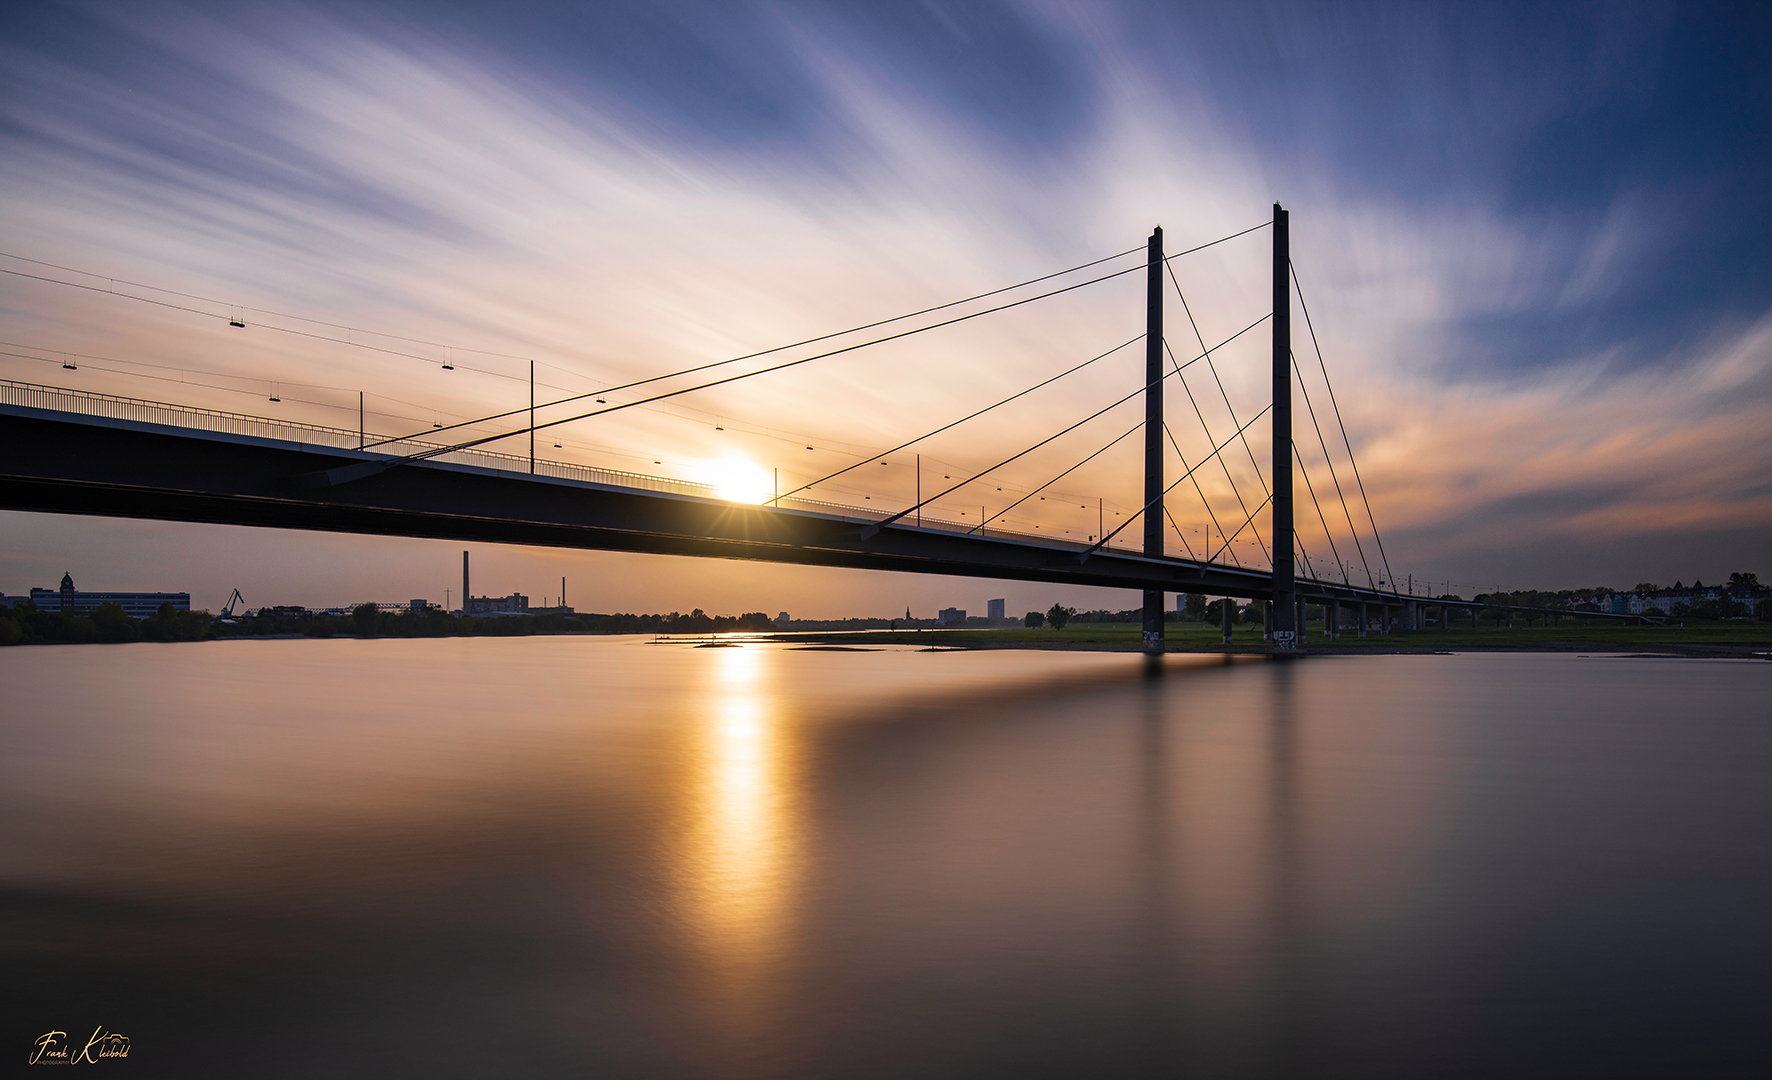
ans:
(1534, 236)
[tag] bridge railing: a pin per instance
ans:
(139, 410)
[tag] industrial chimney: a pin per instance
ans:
(465, 594)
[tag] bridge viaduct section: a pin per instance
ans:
(68, 463)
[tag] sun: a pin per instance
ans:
(737, 480)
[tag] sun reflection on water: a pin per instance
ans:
(742, 831)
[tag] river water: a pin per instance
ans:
(608, 857)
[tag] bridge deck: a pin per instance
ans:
(74, 452)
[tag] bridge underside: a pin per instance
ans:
(71, 464)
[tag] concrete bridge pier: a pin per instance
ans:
(1332, 620)
(1300, 622)
(1267, 620)
(1225, 610)
(1365, 619)
(1384, 625)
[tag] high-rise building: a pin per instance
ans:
(952, 616)
(994, 608)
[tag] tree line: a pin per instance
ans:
(28, 625)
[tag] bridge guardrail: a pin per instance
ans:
(141, 410)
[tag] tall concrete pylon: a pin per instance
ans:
(1285, 611)
(1153, 434)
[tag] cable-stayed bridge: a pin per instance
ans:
(71, 451)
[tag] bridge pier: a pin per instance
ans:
(1225, 611)
(1332, 620)
(1301, 619)
(1365, 620)
(1267, 620)
(1384, 626)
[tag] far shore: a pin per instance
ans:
(1745, 641)
(1738, 640)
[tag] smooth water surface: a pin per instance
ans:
(605, 857)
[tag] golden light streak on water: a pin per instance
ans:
(743, 832)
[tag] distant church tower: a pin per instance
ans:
(907, 613)
(67, 591)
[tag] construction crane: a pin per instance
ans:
(227, 611)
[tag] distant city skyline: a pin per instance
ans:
(302, 581)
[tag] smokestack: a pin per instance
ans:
(562, 592)
(464, 583)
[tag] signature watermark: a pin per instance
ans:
(55, 1048)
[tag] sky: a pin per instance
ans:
(1531, 238)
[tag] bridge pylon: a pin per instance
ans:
(1285, 592)
(1153, 434)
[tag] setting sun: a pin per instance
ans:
(737, 480)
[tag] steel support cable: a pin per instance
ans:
(1299, 288)
(1207, 503)
(1213, 367)
(1247, 449)
(1056, 479)
(962, 420)
(1205, 353)
(1358, 547)
(1295, 537)
(1146, 507)
(284, 395)
(262, 326)
(1299, 542)
(1221, 462)
(192, 382)
(1333, 551)
(1179, 535)
(57, 356)
(721, 382)
(1212, 243)
(883, 322)
(1043, 442)
(508, 356)
(606, 390)
(1240, 528)
(978, 476)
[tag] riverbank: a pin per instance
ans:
(1711, 640)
